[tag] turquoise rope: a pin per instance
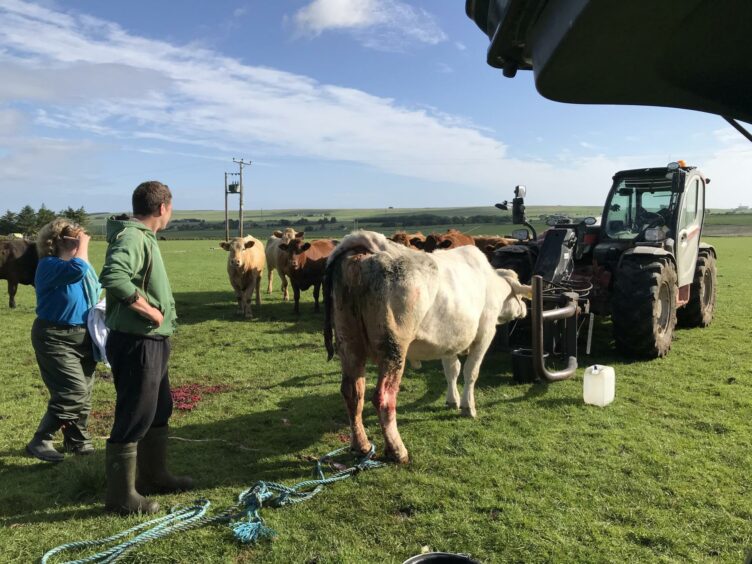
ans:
(244, 517)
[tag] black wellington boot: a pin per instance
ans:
(153, 476)
(41, 445)
(122, 496)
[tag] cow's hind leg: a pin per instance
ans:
(12, 289)
(391, 367)
(258, 289)
(316, 288)
(470, 373)
(452, 372)
(269, 277)
(353, 390)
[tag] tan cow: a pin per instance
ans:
(390, 304)
(408, 239)
(489, 243)
(274, 258)
(245, 263)
(449, 240)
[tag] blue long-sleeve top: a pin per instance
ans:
(61, 297)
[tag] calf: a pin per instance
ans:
(18, 265)
(449, 240)
(306, 266)
(410, 240)
(273, 255)
(245, 263)
(390, 304)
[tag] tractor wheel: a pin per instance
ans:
(701, 306)
(643, 306)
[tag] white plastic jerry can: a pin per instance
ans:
(599, 385)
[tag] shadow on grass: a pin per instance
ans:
(273, 445)
(198, 307)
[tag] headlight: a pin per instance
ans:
(655, 234)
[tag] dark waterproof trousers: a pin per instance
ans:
(66, 362)
(142, 385)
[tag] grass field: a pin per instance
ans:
(717, 223)
(661, 475)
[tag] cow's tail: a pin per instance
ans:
(358, 242)
(328, 342)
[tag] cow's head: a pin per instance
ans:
(436, 241)
(514, 307)
(296, 249)
(236, 246)
(288, 233)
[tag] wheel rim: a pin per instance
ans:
(664, 307)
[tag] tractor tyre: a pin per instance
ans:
(643, 306)
(698, 312)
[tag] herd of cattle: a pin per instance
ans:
(389, 300)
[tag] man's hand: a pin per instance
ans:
(145, 309)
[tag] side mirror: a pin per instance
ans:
(521, 234)
(589, 220)
(503, 205)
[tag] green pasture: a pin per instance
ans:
(717, 222)
(661, 475)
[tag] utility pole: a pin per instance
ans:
(234, 187)
(241, 163)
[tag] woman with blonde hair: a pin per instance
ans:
(67, 288)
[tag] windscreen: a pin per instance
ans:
(637, 204)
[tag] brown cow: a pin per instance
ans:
(18, 265)
(449, 240)
(245, 263)
(488, 244)
(306, 263)
(406, 239)
(272, 258)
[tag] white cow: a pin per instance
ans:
(273, 257)
(391, 304)
(245, 263)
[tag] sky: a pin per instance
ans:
(336, 103)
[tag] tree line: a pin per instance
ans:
(27, 221)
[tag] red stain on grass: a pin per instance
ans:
(187, 397)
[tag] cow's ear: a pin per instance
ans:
(277, 234)
(249, 244)
(335, 242)
(284, 246)
(417, 242)
(490, 248)
(225, 245)
(445, 244)
(299, 234)
(305, 247)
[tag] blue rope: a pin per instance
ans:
(244, 517)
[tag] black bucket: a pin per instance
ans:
(440, 558)
(522, 366)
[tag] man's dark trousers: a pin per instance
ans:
(139, 367)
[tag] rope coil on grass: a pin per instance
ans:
(244, 517)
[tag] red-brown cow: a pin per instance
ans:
(406, 239)
(18, 265)
(306, 262)
(488, 244)
(449, 240)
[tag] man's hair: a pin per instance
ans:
(148, 196)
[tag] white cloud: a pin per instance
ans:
(387, 25)
(98, 85)
(460, 46)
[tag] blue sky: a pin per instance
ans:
(338, 103)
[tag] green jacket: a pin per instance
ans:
(134, 264)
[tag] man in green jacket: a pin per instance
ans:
(141, 317)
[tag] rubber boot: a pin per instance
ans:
(76, 438)
(41, 445)
(153, 476)
(120, 468)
